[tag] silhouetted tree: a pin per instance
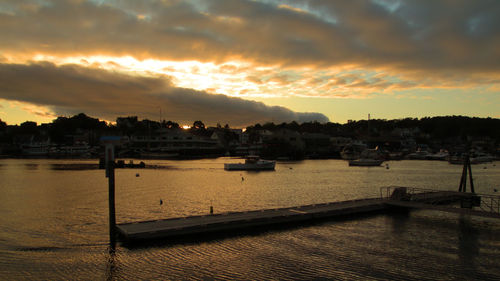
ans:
(198, 125)
(172, 125)
(3, 125)
(28, 127)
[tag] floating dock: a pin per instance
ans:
(226, 222)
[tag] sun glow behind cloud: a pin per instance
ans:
(248, 80)
(273, 51)
(229, 78)
(264, 83)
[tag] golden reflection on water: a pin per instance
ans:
(54, 223)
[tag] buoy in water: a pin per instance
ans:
(387, 166)
(137, 175)
(161, 202)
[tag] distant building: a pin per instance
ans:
(175, 142)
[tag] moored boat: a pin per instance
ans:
(352, 151)
(475, 158)
(365, 162)
(252, 163)
(369, 157)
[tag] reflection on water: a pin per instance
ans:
(111, 266)
(74, 166)
(468, 243)
(399, 218)
(54, 223)
(31, 166)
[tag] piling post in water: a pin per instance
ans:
(110, 174)
(474, 200)
(111, 203)
(463, 179)
(470, 176)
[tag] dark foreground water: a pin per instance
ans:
(53, 223)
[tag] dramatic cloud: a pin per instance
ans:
(425, 35)
(70, 89)
(255, 49)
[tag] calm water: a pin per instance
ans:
(53, 223)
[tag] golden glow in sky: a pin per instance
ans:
(250, 61)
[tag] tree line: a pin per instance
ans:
(437, 128)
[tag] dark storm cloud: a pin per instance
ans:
(72, 89)
(442, 35)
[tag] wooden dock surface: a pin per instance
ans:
(194, 225)
(240, 220)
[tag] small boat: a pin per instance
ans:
(369, 157)
(419, 155)
(441, 155)
(475, 158)
(252, 163)
(481, 157)
(157, 154)
(365, 162)
(352, 151)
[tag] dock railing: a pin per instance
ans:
(410, 193)
(485, 202)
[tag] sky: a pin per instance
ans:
(241, 62)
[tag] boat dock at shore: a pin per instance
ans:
(233, 221)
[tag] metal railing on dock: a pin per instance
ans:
(475, 201)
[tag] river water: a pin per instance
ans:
(54, 223)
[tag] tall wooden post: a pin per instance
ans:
(470, 176)
(110, 174)
(463, 179)
(112, 214)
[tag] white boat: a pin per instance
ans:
(441, 155)
(475, 158)
(369, 157)
(352, 151)
(481, 157)
(35, 149)
(365, 162)
(79, 150)
(252, 163)
(157, 155)
(419, 155)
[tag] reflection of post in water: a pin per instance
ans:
(468, 245)
(399, 219)
(111, 267)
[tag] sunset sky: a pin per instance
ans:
(241, 62)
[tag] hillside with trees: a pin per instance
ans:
(290, 139)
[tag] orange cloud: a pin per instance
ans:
(239, 48)
(69, 89)
(430, 36)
